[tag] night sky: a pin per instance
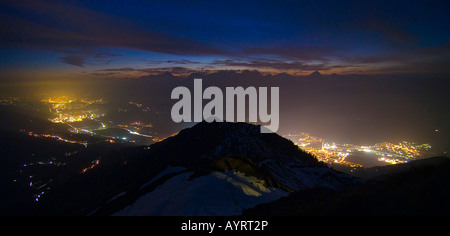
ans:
(128, 39)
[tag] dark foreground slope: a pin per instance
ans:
(417, 190)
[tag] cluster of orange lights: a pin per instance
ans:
(67, 109)
(94, 164)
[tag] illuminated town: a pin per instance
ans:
(68, 109)
(332, 153)
(84, 116)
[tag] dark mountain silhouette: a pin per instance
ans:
(380, 172)
(315, 75)
(283, 76)
(224, 167)
(420, 188)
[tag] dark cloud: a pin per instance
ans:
(123, 69)
(80, 57)
(279, 65)
(149, 71)
(172, 62)
(182, 62)
(69, 26)
(293, 52)
(106, 55)
(75, 60)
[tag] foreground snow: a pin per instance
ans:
(219, 193)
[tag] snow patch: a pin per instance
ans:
(219, 193)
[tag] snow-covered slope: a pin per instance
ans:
(219, 193)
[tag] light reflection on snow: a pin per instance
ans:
(250, 185)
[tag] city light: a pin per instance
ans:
(337, 153)
(70, 109)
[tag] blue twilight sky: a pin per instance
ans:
(133, 38)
